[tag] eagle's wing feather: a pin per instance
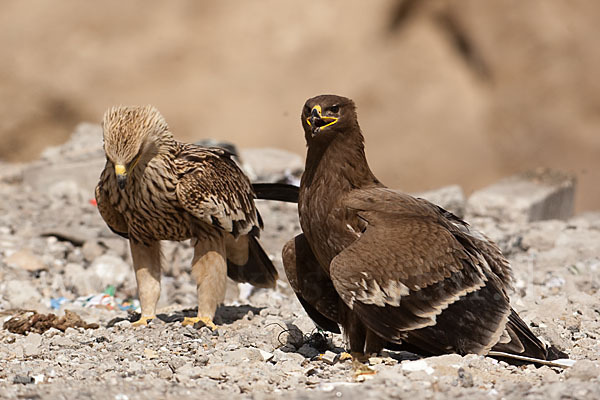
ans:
(311, 284)
(213, 189)
(409, 265)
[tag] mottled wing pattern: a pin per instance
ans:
(115, 221)
(213, 189)
(408, 265)
(310, 282)
(490, 251)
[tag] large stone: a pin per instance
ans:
(20, 294)
(530, 196)
(109, 270)
(272, 165)
(26, 260)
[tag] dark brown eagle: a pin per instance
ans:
(393, 270)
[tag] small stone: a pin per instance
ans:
(24, 380)
(465, 379)
(266, 355)
(91, 250)
(31, 344)
(415, 366)
(63, 341)
(123, 324)
(109, 270)
(21, 294)
(375, 360)
(583, 370)
(150, 354)
(26, 260)
(243, 355)
(165, 373)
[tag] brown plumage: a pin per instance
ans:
(155, 188)
(393, 270)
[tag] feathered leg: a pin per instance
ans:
(209, 269)
(147, 267)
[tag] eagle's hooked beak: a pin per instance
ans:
(121, 173)
(317, 121)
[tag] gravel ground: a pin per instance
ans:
(54, 245)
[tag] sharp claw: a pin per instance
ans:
(360, 371)
(207, 321)
(143, 321)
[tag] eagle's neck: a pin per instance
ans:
(340, 164)
(332, 170)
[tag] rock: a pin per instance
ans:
(31, 344)
(583, 370)
(531, 196)
(465, 379)
(283, 334)
(150, 354)
(24, 380)
(415, 366)
(91, 250)
(26, 260)
(109, 270)
(79, 279)
(165, 373)
(21, 294)
(451, 198)
(243, 355)
(266, 356)
(272, 165)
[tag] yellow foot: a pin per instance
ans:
(207, 321)
(143, 321)
(360, 370)
(345, 356)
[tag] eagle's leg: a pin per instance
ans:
(146, 264)
(357, 335)
(209, 269)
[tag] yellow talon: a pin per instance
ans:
(207, 321)
(143, 321)
(360, 371)
(345, 356)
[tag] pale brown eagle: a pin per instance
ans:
(155, 188)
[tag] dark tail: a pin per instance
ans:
(276, 191)
(524, 343)
(258, 270)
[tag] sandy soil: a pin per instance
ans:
(54, 245)
(459, 91)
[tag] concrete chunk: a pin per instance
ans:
(536, 195)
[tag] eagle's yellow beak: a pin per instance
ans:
(121, 174)
(317, 121)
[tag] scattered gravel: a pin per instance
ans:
(54, 245)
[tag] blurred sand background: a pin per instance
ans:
(463, 91)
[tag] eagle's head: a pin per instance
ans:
(131, 135)
(325, 116)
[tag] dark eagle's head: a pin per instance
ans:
(327, 115)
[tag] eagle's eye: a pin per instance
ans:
(334, 109)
